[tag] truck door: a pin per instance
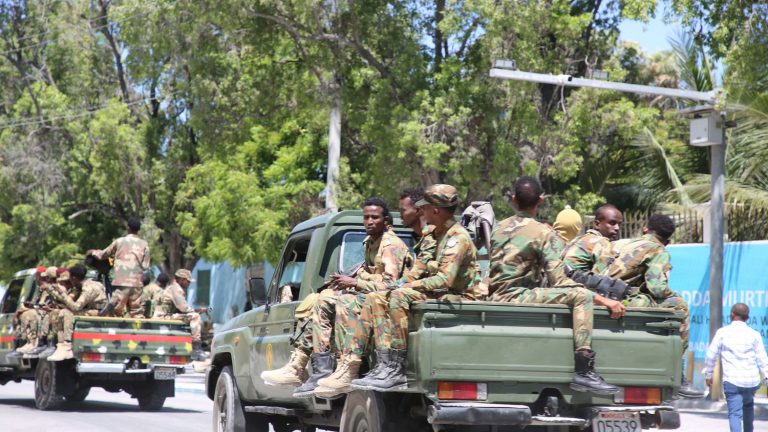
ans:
(10, 304)
(274, 324)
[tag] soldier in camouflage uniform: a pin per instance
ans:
(27, 318)
(131, 255)
(592, 252)
(450, 273)
(91, 298)
(522, 249)
(386, 257)
(644, 264)
(150, 294)
(172, 304)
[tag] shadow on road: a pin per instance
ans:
(95, 407)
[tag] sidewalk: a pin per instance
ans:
(705, 405)
(190, 381)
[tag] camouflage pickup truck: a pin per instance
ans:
(138, 356)
(472, 366)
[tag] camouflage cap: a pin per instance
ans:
(184, 274)
(439, 195)
(50, 272)
(63, 277)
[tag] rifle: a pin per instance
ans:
(614, 289)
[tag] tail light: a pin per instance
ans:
(453, 390)
(641, 395)
(92, 357)
(179, 360)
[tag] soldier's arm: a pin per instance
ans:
(426, 253)
(447, 267)
(602, 256)
(145, 258)
(552, 248)
(180, 301)
(75, 305)
(109, 251)
(392, 256)
(657, 274)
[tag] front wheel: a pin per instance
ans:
(228, 413)
(46, 395)
(151, 401)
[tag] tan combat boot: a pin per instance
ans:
(63, 352)
(294, 373)
(340, 381)
(29, 346)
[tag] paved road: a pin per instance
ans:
(188, 412)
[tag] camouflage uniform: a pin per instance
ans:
(131, 260)
(172, 304)
(151, 293)
(449, 274)
(643, 263)
(522, 250)
(30, 318)
(90, 299)
(589, 252)
(385, 260)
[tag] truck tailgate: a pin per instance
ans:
(508, 346)
(119, 339)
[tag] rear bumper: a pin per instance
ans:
(120, 368)
(472, 413)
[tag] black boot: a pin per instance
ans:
(42, 344)
(323, 364)
(585, 379)
(687, 390)
(393, 376)
(376, 373)
(49, 349)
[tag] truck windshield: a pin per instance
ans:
(352, 252)
(11, 300)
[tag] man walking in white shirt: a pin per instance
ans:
(743, 355)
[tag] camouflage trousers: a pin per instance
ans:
(29, 325)
(46, 324)
(127, 301)
(400, 302)
(64, 323)
(304, 340)
(580, 300)
(674, 301)
(323, 319)
(191, 318)
(352, 328)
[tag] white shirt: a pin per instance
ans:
(742, 352)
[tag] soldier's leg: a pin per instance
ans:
(65, 324)
(31, 320)
(294, 372)
(400, 302)
(323, 319)
(580, 300)
(118, 301)
(677, 303)
(134, 304)
(374, 318)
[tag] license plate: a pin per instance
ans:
(617, 422)
(167, 374)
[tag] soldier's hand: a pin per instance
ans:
(708, 381)
(344, 282)
(617, 309)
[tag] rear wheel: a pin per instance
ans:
(369, 411)
(228, 413)
(46, 395)
(151, 401)
(79, 395)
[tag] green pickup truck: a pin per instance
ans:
(138, 356)
(472, 366)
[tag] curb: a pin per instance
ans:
(704, 405)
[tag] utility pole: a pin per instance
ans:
(707, 129)
(334, 151)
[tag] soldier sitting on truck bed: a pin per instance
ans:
(644, 264)
(28, 317)
(172, 304)
(150, 294)
(451, 274)
(521, 250)
(91, 299)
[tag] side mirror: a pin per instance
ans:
(258, 291)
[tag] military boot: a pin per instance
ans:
(292, 374)
(340, 381)
(63, 352)
(42, 344)
(20, 351)
(323, 365)
(585, 379)
(49, 349)
(197, 351)
(376, 373)
(393, 376)
(687, 390)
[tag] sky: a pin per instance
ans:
(651, 36)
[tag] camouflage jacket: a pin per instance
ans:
(131, 260)
(172, 300)
(522, 251)
(385, 261)
(589, 252)
(92, 295)
(643, 263)
(452, 268)
(424, 249)
(150, 292)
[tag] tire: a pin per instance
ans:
(46, 395)
(151, 401)
(79, 395)
(228, 413)
(364, 411)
